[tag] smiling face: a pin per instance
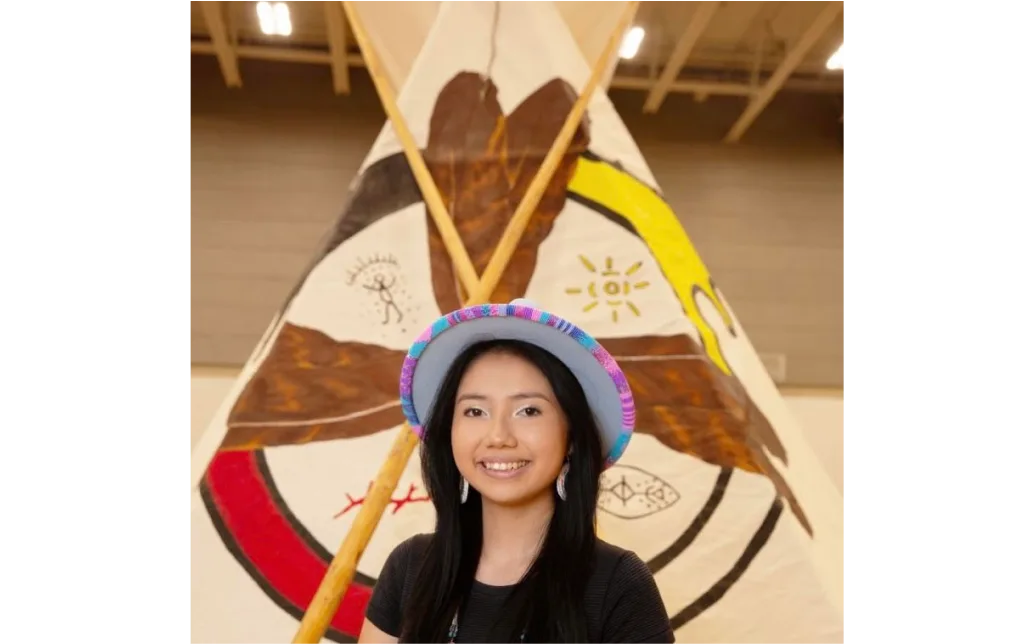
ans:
(509, 434)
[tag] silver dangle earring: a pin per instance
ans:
(561, 490)
(464, 489)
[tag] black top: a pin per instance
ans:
(622, 602)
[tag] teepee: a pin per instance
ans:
(718, 491)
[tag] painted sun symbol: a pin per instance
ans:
(612, 287)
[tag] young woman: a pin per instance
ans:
(519, 411)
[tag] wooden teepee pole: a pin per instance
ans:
(450, 236)
(342, 569)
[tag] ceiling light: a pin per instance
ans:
(274, 18)
(836, 61)
(630, 44)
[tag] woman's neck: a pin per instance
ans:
(511, 539)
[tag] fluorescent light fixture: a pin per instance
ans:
(630, 44)
(836, 61)
(274, 18)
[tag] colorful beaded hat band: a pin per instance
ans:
(434, 351)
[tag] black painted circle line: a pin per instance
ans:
(722, 586)
(669, 554)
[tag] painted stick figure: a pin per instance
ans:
(384, 292)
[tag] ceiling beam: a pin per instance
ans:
(719, 88)
(279, 54)
(779, 77)
(335, 15)
(217, 30)
(832, 85)
(697, 25)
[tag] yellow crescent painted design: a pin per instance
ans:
(654, 221)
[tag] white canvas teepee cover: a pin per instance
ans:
(398, 31)
(311, 418)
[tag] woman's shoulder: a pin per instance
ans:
(406, 551)
(621, 572)
(617, 560)
(394, 583)
(631, 609)
(403, 560)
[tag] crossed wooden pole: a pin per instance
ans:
(342, 569)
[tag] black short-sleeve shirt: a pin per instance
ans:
(622, 602)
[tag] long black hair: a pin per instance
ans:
(547, 605)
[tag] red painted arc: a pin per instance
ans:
(254, 516)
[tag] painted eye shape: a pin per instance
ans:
(529, 411)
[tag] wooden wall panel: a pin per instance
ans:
(272, 162)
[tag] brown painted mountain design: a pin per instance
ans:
(693, 407)
(483, 162)
(312, 388)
